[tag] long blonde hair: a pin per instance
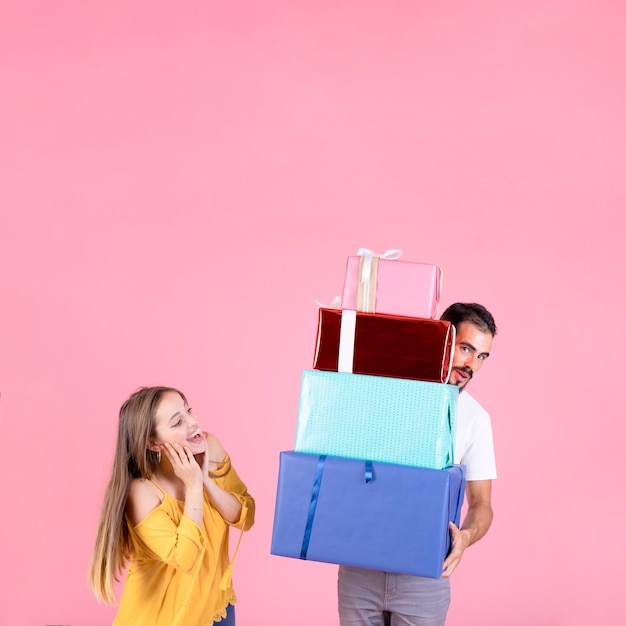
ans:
(132, 460)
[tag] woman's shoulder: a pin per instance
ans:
(143, 497)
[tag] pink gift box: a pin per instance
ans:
(382, 284)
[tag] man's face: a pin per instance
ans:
(471, 349)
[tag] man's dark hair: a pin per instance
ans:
(471, 312)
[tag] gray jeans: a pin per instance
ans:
(372, 598)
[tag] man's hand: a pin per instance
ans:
(474, 526)
(459, 540)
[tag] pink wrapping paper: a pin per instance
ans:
(400, 288)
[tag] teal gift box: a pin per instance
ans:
(379, 418)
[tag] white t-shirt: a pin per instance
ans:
(473, 441)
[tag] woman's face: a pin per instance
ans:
(176, 423)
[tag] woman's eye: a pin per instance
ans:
(189, 410)
(178, 423)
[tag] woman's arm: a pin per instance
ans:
(228, 506)
(180, 542)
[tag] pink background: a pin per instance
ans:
(180, 181)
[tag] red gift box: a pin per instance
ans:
(384, 345)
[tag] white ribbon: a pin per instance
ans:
(346, 341)
(366, 272)
(335, 304)
(391, 254)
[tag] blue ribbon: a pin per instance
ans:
(315, 492)
(312, 506)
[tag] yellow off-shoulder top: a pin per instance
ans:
(176, 567)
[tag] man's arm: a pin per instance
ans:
(475, 524)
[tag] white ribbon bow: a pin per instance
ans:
(368, 255)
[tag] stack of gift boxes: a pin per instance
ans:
(371, 481)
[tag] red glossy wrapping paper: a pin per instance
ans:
(387, 345)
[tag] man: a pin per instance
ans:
(373, 598)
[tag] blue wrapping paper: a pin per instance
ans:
(407, 422)
(381, 516)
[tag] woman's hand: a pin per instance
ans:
(187, 469)
(184, 464)
(204, 458)
(212, 459)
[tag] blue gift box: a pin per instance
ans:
(393, 420)
(374, 515)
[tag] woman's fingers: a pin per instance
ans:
(177, 452)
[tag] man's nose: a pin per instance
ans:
(469, 361)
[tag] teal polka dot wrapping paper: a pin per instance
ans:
(377, 418)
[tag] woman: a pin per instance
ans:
(172, 497)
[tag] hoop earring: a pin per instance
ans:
(158, 457)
